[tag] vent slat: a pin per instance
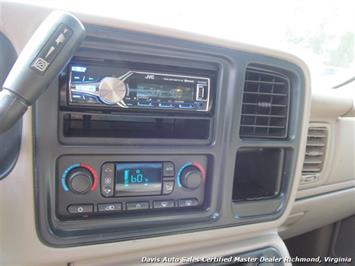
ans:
(265, 93)
(309, 161)
(265, 105)
(313, 135)
(315, 153)
(261, 104)
(311, 168)
(316, 144)
(262, 126)
(265, 82)
(261, 115)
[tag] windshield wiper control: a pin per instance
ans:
(42, 59)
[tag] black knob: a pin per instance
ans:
(80, 180)
(191, 177)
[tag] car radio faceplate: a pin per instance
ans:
(120, 87)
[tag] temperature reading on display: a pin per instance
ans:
(134, 179)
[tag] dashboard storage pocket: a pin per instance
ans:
(147, 127)
(258, 173)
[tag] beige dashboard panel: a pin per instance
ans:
(328, 110)
(20, 244)
(330, 199)
(343, 166)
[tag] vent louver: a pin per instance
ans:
(315, 153)
(265, 109)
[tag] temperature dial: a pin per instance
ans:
(80, 180)
(191, 177)
(112, 90)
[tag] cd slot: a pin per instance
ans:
(90, 125)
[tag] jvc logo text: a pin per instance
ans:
(149, 76)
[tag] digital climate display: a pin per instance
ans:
(138, 179)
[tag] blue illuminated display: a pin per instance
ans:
(135, 177)
(138, 179)
(78, 69)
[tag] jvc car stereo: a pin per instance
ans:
(90, 85)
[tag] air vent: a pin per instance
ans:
(265, 107)
(315, 154)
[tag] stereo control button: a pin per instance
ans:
(186, 106)
(141, 205)
(168, 187)
(161, 204)
(168, 169)
(109, 207)
(107, 179)
(112, 90)
(188, 202)
(80, 208)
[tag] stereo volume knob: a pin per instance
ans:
(191, 177)
(112, 90)
(80, 180)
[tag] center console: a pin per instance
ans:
(142, 136)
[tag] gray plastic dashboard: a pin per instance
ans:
(219, 210)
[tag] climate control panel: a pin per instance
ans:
(90, 186)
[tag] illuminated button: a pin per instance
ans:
(168, 169)
(166, 105)
(107, 179)
(90, 99)
(186, 106)
(80, 208)
(145, 104)
(77, 97)
(188, 202)
(168, 187)
(109, 207)
(141, 205)
(161, 204)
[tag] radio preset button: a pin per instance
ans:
(77, 97)
(186, 106)
(107, 179)
(168, 187)
(166, 105)
(161, 204)
(109, 207)
(145, 104)
(168, 169)
(90, 99)
(188, 202)
(141, 205)
(80, 208)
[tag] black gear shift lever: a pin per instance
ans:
(44, 56)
